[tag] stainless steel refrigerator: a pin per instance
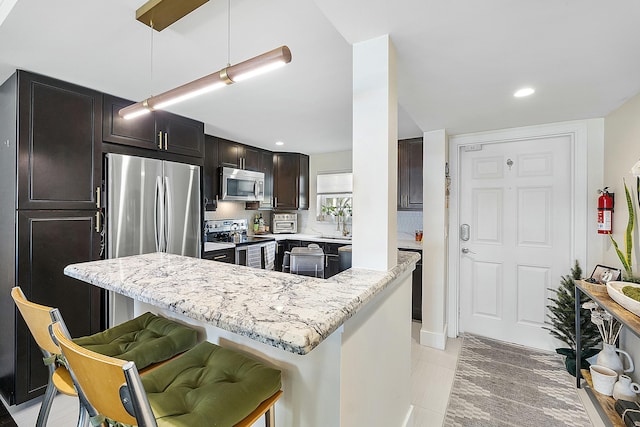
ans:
(152, 206)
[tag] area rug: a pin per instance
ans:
(499, 384)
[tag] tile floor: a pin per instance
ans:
(431, 380)
(432, 373)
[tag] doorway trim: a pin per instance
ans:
(577, 131)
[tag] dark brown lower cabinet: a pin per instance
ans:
(222, 255)
(48, 241)
(416, 292)
(416, 287)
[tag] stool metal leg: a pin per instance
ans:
(47, 401)
(83, 415)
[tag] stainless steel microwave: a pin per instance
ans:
(241, 185)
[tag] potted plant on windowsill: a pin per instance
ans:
(562, 322)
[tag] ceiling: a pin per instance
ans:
(459, 61)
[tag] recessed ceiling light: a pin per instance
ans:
(279, 143)
(526, 91)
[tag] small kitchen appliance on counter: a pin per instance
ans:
(307, 261)
(285, 223)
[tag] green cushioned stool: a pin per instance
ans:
(206, 386)
(145, 340)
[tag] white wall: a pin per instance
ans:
(434, 241)
(622, 150)
(375, 154)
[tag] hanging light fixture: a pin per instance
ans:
(260, 64)
(255, 66)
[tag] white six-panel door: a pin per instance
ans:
(516, 199)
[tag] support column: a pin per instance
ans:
(434, 241)
(375, 154)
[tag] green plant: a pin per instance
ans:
(562, 321)
(342, 208)
(625, 258)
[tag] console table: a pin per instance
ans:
(628, 319)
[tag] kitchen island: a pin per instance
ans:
(343, 344)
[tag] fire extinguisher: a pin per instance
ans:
(605, 211)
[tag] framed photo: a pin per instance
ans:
(604, 274)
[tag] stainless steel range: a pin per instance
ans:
(258, 252)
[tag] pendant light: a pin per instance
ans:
(255, 66)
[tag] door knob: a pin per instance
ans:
(467, 251)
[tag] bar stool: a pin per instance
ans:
(147, 339)
(206, 386)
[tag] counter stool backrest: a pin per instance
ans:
(38, 318)
(100, 378)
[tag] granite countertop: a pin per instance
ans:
(309, 237)
(402, 243)
(287, 311)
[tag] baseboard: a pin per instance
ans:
(434, 339)
(408, 420)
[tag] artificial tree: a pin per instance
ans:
(562, 322)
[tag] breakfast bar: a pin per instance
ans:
(343, 344)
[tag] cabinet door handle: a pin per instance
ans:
(166, 137)
(219, 257)
(159, 140)
(98, 197)
(98, 227)
(275, 202)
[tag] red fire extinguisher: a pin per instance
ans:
(605, 211)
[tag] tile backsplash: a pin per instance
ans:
(235, 210)
(408, 223)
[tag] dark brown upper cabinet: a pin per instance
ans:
(410, 174)
(59, 144)
(159, 130)
(291, 181)
(266, 167)
(210, 176)
(221, 152)
(238, 156)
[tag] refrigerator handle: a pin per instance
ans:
(168, 203)
(156, 211)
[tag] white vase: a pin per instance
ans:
(609, 357)
(624, 389)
